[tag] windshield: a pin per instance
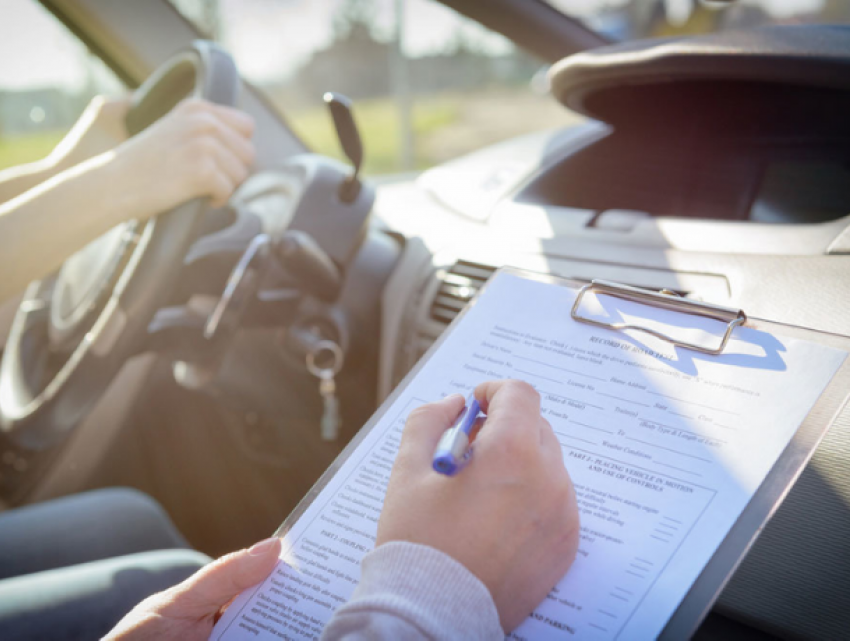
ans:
(633, 19)
(428, 84)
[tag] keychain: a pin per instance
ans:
(330, 423)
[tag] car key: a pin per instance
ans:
(330, 423)
(330, 414)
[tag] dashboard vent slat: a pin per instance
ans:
(450, 302)
(443, 315)
(457, 286)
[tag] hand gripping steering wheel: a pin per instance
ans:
(74, 331)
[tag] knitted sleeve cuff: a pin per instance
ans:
(429, 590)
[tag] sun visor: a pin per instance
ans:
(729, 74)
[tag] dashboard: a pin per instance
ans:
(788, 272)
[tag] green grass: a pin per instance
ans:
(27, 147)
(377, 119)
(379, 128)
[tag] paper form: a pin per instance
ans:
(665, 448)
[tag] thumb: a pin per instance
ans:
(205, 592)
(426, 424)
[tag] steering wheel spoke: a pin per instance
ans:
(35, 303)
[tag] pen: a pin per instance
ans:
(453, 451)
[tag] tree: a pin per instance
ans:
(355, 20)
(836, 11)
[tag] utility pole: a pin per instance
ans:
(400, 79)
(212, 18)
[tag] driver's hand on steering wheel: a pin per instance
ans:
(198, 149)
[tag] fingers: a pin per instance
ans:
(511, 406)
(234, 118)
(550, 444)
(226, 172)
(204, 593)
(425, 426)
(210, 123)
(218, 185)
(221, 142)
(508, 396)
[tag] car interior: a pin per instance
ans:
(185, 358)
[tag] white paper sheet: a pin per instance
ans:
(665, 447)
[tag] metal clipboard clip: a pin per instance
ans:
(665, 299)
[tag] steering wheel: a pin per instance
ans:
(74, 331)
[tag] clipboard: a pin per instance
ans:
(705, 590)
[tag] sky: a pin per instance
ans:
(777, 8)
(35, 50)
(269, 38)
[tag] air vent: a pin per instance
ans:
(434, 304)
(457, 286)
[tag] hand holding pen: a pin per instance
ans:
(510, 517)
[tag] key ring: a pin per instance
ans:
(322, 346)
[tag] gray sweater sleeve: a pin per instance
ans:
(411, 591)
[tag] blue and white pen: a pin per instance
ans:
(453, 451)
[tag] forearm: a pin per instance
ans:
(410, 591)
(99, 129)
(197, 150)
(14, 181)
(43, 226)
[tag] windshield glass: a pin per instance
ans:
(47, 78)
(428, 84)
(633, 19)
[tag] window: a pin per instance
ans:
(428, 84)
(46, 80)
(633, 19)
